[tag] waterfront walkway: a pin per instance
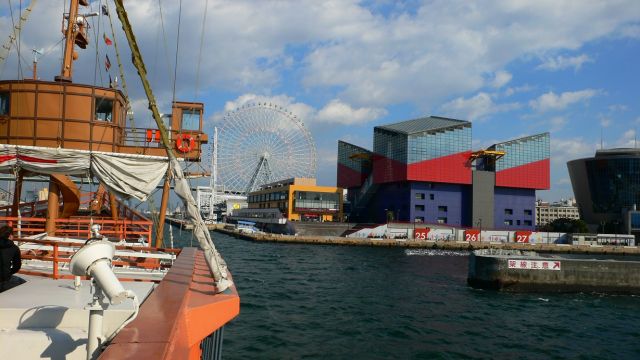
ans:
(442, 245)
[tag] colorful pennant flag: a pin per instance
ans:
(107, 63)
(106, 39)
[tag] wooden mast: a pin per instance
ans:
(73, 28)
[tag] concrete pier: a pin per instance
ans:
(517, 271)
(428, 244)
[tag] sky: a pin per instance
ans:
(513, 68)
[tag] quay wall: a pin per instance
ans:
(431, 244)
(574, 274)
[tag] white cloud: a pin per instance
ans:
(551, 101)
(561, 62)
(557, 123)
(632, 31)
(628, 139)
(334, 112)
(618, 108)
(563, 150)
(518, 89)
(338, 112)
(419, 54)
(476, 107)
(605, 121)
(501, 79)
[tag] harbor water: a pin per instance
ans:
(341, 302)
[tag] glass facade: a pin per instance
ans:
(391, 145)
(522, 151)
(614, 183)
(439, 143)
(315, 201)
(354, 157)
(635, 221)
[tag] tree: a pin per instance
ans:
(566, 225)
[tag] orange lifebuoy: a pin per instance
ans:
(184, 143)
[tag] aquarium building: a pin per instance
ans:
(425, 171)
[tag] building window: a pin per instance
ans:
(441, 220)
(4, 103)
(442, 208)
(190, 120)
(420, 196)
(517, 222)
(508, 211)
(528, 212)
(419, 219)
(104, 109)
(527, 223)
(419, 208)
(508, 222)
(432, 196)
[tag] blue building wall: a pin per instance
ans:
(514, 208)
(392, 197)
(442, 203)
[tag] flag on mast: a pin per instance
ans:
(107, 63)
(106, 39)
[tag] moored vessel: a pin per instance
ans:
(95, 284)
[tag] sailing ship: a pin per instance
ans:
(96, 286)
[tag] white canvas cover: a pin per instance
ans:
(127, 175)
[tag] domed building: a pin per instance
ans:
(607, 187)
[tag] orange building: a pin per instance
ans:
(299, 199)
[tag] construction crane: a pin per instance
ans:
(6, 47)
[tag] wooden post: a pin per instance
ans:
(163, 211)
(55, 261)
(53, 207)
(113, 204)
(17, 193)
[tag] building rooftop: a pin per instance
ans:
(522, 139)
(424, 124)
(618, 152)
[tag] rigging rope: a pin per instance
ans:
(97, 58)
(120, 67)
(164, 38)
(175, 65)
(204, 22)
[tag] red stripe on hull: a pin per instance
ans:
(348, 178)
(535, 175)
(453, 169)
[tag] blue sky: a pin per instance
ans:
(513, 68)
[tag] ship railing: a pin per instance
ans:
(59, 253)
(80, 228)
(25, 209)
(123, 210)
(147, 137)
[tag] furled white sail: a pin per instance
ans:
(127, 175)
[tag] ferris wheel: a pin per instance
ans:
(263, 143)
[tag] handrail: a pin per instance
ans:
(59, 256)
(81, 227)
